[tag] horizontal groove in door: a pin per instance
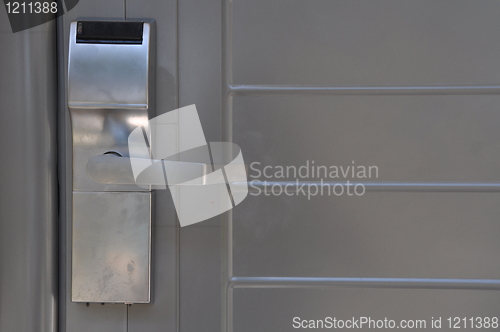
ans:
(266, 186)
(405, 283)
(363, 90)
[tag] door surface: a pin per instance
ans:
(314, 92)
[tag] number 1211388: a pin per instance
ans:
(31, 7)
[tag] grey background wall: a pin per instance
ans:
(28, 178)
(409, 86)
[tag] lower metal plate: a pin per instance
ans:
(111, 247)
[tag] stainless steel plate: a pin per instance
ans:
(111, 247)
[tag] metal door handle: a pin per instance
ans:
(114, 169)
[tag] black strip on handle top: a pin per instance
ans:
(104, 32)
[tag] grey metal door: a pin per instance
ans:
(409, 88)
